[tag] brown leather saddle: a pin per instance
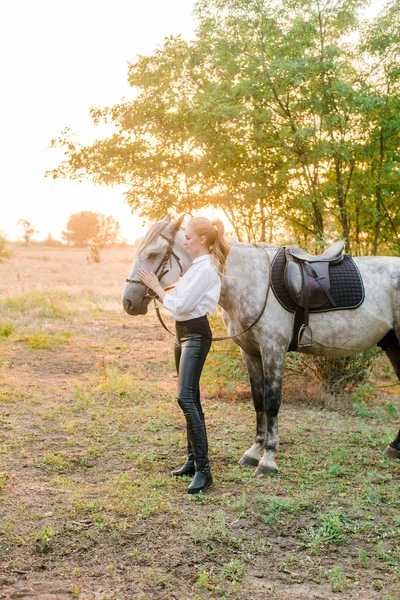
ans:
(307, 281)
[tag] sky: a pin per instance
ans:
(59, 58)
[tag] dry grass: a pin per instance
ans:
(66, 271)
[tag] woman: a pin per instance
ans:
(196, 294)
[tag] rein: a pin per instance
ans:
(228, 337)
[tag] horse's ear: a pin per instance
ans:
(176, 225)
(167, 219)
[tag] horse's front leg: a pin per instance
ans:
(252, 456)
(273, 365)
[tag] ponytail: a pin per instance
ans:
(220, 249)
(214, 232)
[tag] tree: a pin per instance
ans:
(108, 231)
(29, 230)
(274, 114)
(82, 228)
(91, 229)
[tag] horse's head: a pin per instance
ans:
(162, 252)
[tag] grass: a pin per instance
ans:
(333, 530)
(41, 340)
(51, 305)
(90, 430)
(6, 328)
(337, 578)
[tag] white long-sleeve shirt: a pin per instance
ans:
(196, 293)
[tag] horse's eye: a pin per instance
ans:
(152, 254)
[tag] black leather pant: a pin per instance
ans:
(192, 344)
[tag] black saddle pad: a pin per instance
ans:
(347, 288)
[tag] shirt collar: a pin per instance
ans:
(201, 259)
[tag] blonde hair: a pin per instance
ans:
(214, 232)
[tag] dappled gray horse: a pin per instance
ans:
(263, 346)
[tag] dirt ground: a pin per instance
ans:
(90, 430)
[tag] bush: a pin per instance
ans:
(4, 253)
(94, 254)
(338, 375)
(224, 368)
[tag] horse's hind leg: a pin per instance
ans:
(390, 345)
(253, 362)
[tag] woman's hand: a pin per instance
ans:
(149, 279)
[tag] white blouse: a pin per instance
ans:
(196, 293)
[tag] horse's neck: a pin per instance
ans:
(247, 273)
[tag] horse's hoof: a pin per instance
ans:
(263, 470)
(248, 461)
(391, 452)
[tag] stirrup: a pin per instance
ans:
(302, 330)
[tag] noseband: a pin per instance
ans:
(161, 270)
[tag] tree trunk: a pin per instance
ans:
(342, 203)
(378, 193)
(262, 219)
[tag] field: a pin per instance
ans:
(90, 430)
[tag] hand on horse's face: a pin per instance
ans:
(148, 279)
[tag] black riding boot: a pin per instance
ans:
(188, 468)
(202, 479)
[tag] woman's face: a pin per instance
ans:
(196, 244)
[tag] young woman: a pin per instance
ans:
(196, 294)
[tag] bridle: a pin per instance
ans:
(161, 270)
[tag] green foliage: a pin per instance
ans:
(40, 340)
(116, 384)
(43, 539)
(234, 571)
(273, 507)
(54, 463)
(3, 478)
(47, 305)
(224, 368)
(332, 530)
(363, 558)
(6, 329)
(203, 580)
(337, 578)
(273, 114)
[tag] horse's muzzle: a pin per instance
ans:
(134, 310)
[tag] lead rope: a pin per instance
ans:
(229, 337)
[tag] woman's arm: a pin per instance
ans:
(152, 282)
(191, 294)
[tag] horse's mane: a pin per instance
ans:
(151, 235)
